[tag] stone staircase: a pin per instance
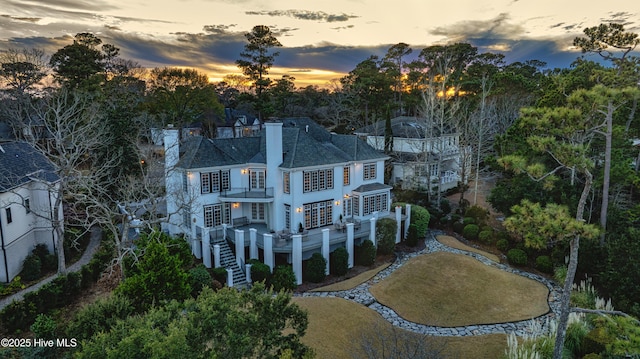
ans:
(228, 261)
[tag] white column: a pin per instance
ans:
(253, 246)
(206, 248)
(239, 247)
(398, 221)
(372, 233)
(216, 256)
(296, 257)
(224, 231)
(229, 277)
(268, 250)
(196, 247)
(350, 240)
(407, 221)
(247, 272)
(325, 246)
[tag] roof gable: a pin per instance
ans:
(20, 163)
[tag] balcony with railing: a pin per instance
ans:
(246, 194)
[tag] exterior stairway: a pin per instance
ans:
(228, 261)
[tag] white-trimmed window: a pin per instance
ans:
(185, 182)
(318, 214)
(287, 216)
(215, 181)
(345, 176)
(375, 202)
(318, 180)
(286, 182)
(205, 182)
(257, 211)
(225, 180)
(257, 178)
(216, 214)
(369, 171)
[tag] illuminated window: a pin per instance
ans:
(318, 214)
(216, 214)
(317, 180)
(286, 182)
(345, 176)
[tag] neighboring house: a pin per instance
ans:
(239, 124)
(424, 157)
(295, 173)
(27, 179)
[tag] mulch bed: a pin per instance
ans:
(358, 269)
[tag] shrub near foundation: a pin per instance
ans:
(315, 268)
(339, 261)
(386, 235)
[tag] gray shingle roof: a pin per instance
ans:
(406, 127)
(20, 163)
(302, 146)
(370, 187)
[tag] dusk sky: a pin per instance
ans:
(322, 40)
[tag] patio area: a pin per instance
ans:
(311, 239)
(257, 241)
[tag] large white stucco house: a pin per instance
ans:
(27, 192)
(425, 157)
(294, 175)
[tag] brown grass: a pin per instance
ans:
(351, 282)
(446, 289)
(337, 326)
(454, 243)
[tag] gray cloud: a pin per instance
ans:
(305, 15)
(498, 27)
(57, 7)
(25, 19)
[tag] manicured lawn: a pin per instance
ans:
(454, 243)
(446, 289)
(337, 327)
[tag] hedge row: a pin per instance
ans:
(19, 315)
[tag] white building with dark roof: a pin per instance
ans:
(425, 157)
(294, 179)
(27, 192)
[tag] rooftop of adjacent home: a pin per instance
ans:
(20, 163)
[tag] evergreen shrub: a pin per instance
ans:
(283, 278)
(470, 232)
(260, 272)
(502, 245)
(544, 264)
(517, 257)
(366, 253)
(316, 268)
(339, 261)
(31, 268)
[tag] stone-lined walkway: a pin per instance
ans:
(92, 247)
(361, 295)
